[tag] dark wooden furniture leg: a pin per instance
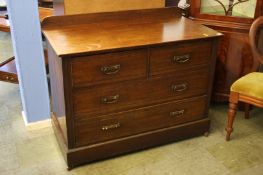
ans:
(233, 101)
(247, 109)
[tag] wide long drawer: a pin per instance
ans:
(111, 67)
(106, 99)
(123, 124)
(181, 56)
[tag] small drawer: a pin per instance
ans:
(8, 77)
(106, 99)
(123, 124)
(176, 57)
(110, 67)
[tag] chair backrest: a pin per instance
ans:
(254, 39)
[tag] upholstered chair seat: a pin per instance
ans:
(250, 85)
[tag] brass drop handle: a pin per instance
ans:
(177, 113)
(181, 59)
(111, 99)
(9, 78)
(113, 126)
(179, 87)
(109, 70)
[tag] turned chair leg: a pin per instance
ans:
(247, 109)
(231, 117)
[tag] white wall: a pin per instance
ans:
(2, 2)
(28, 50)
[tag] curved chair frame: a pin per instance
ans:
(236, 97)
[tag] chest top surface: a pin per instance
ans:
(77, 35)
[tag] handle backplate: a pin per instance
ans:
(179, 87)
(109, 70)
(110, 127)
(110, 99)
(181, 59)
(178, 113)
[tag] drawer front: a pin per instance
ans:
(119, 125)
(105, 99)
(169, 58)
(8, 77)
(110, 67)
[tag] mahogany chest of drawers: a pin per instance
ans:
(125, 81)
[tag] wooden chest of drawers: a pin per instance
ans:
(125, 81)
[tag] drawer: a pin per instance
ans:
(106, 99)
(119, 125)
(110, 67)
(8, 77)
(169, 58)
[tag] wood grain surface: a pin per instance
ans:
(117, 30)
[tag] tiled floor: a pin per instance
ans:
(24, 152)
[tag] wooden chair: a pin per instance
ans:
(249, 88)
